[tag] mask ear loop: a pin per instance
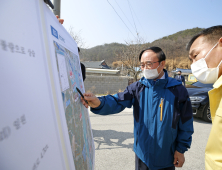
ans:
(219, 64)
(221, 60)
(161, 71)
(210, 50)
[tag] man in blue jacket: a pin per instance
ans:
(163, 122)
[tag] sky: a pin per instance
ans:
(100, 22)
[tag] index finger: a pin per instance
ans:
(88, 94)
(84, 102)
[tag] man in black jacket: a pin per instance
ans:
(179, 77)
(83, 68)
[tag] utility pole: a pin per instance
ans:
(57, 4)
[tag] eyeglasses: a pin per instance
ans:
(148, 64)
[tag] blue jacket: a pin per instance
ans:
(156, 134)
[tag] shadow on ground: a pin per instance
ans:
(112, 138)
(199, 120)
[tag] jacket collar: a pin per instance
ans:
(218, 83)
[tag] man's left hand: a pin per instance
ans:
(179, 159)
(60, 20)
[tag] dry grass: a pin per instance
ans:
(179, 62)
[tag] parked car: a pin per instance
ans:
(191, 78)
(199, 98)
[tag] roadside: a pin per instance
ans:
(113, 137)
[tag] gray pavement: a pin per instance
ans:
(113, 137)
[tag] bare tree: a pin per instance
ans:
(129, 56)
(77, 37)
(117, 65)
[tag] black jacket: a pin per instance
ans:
(180, 78)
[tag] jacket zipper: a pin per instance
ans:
(161, 109)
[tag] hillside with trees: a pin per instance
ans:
(102, 52)
(116, 54)
(174, 46)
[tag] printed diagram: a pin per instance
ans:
(77, 117)
(63, 72)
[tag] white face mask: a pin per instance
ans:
(203, 73)
(151, 73)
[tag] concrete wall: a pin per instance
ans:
(101, 74)
(105, 84)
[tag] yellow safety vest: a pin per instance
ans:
(213, 151)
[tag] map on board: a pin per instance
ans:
(76, 114)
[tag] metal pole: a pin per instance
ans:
(57, 4)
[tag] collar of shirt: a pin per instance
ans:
(163, 77)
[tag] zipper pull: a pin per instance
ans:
(161, 109)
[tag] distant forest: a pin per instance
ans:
(174, 46)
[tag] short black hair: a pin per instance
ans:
(160, 54)
(83, 68)
(180, 71)
(212, 35)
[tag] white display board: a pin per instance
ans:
(33, 129)
(29, 136)
(74, 116)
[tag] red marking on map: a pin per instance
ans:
(70, 73)
(80, 116)
(76, 97)
(73, 84)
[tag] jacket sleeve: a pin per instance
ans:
(184, 81)
(112, 104)
(185, 124)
